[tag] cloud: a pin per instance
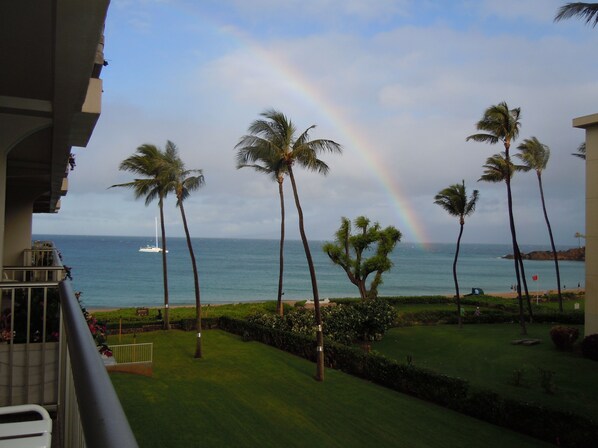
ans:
(400, 92)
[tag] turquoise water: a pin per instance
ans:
(111, 272)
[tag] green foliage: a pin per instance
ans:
(589, 347)
(363, 321)
(547, 380)
(564, 337)
(517, 378)
(248, 394)
(348, 252)
(455, 393)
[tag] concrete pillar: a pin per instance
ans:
(590, 124)
(13, 129)
(17, 226)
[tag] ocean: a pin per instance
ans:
(111, 272)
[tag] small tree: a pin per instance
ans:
(454, 200)
(348, 252)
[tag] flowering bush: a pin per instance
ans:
(364, 321)
(97, 329)
(564, 337)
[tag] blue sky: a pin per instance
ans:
(399, 83)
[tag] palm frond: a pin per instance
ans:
(499, 123)
(583, 10)
(581, 151)
(534, 154)
(454, 200)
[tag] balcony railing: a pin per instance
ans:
(48, 356)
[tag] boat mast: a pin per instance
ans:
(156, 219)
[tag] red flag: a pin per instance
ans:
(535, 277)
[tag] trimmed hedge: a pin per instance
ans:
(561, 428)
(589, 346)
(429, 317)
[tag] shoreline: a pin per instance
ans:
(504, 295)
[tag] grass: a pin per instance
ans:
(484, 355)
(241, 310)
(236, 310)
(247, 394)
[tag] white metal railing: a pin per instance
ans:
(29, 332)
(33, 273)
(133, 353)
(42, 253)
(48, 356)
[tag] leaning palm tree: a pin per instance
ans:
(534, 156)
(582, 10)
(183, 182)
(581, 151)
(269, 163)
(148, 162)
(501, 124)
(454, 200)
(496, 170)
(274, 137)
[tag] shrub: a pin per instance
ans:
(589, 347)
(564, 337)
(365, 321)
(554, 426)
(547, 381)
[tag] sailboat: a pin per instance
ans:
(149, 247)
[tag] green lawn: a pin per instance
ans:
(484, 355)
(246, 394)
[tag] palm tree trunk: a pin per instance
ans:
(514, 240)
(314, 285)
(556, 259)
(279, 307)
(164, 265)
(198, 351)
(459, 320)
(524, 280)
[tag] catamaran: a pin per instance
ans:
(149, 247)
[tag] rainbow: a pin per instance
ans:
(405, 213)
(409, 223)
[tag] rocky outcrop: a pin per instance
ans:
(575, 254)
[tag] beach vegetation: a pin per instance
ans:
(275, 136)
(589, 347)
(564, 337)
(147, 162)
(271, 163)
(582, 10)
(350, 250)
(362, 321)
(477, 396)
(534, 156)
(250, 394)
(581, 151)
(500, 124)
(455, 202)
(496, 169)
(182, 182)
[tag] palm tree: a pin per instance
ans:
(582, 10)
(274, 137)
(454, 200)
(148, 162)
(501, 124)
(495, 170)
(581, 151)
(534, 156)
(272, 164)
(183, 182)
